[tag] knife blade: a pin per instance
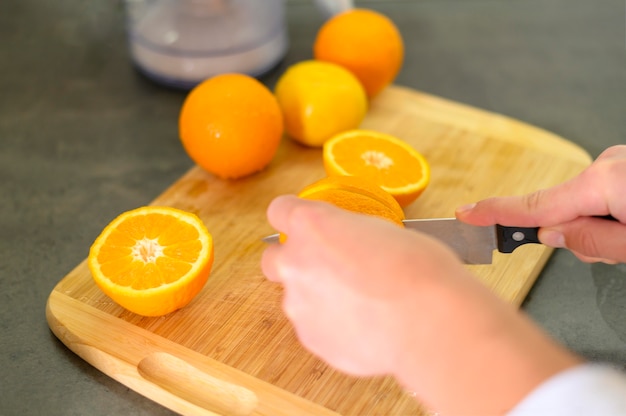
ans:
(473, 244)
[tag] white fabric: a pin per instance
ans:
(585, 390)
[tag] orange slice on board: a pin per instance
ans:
(383, 159)
(152, 260)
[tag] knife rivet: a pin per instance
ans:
(518, 236)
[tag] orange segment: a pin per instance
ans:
(152, 260)
(383, 159)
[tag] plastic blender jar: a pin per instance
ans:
(180, 43)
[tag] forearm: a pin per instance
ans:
(475, 354)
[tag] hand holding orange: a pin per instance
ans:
(155, 260)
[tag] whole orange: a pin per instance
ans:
(231, 125)
(364, 41)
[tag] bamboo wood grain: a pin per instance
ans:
(135, 357)
(231, 351)
(184, 380)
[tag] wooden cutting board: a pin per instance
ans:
(231, 351)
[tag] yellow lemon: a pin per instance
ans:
(318, 100)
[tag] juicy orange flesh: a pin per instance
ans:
(375, 159)
(147, 251)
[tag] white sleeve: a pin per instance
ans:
(588, 389)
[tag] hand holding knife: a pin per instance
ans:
(473, 244)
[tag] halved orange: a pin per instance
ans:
(152, 260)
(355, 194)
(383, 159)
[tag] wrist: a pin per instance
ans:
(470, 352)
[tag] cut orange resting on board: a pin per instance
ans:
(365, 42)
(383, 159)
(355, 194)
(152, 260)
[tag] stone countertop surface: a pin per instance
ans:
(84, 137)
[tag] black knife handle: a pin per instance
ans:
(510, 238)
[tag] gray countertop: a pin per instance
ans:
(83, 137)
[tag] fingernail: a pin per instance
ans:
(465, 208)
(552, 238)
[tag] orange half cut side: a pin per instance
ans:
(381, 158)
(152, 260)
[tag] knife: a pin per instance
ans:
(473, 244)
